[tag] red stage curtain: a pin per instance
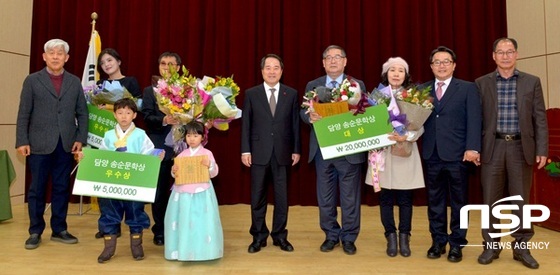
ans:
(230, 37)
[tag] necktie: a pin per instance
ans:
(272, 101)
(334, 84)
(439, 90)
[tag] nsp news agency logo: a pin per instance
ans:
(514, 222)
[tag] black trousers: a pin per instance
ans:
(259, 191)
(58, 165)
(162, 196)
(446, 179)
(403, 199)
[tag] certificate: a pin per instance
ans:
(191, 170)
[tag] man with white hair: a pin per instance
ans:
(52, 124)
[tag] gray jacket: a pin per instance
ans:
(44, 116)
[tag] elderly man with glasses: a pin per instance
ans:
(338, 178)
(515, 139)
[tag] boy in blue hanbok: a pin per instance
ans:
(124, 138)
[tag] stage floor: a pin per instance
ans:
(304, 234)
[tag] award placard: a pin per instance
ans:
(117, 175)
(346, 134)
(191, 170)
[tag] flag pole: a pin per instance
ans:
(93, 200)
(93, 19)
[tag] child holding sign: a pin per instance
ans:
(193, 230)
(124, 138)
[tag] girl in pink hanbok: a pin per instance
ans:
(193, 230)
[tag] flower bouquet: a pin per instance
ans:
(384, 95)
(106, 93)
(327, 101)
(100, 99)
(219, 101)
(348, 91)
(320, 100)
(378, 97)
(91, 92)
(177, 95)
(416, 104)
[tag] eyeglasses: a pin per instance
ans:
(502, 53)
(335, 58)
(445, 62)
(167, 64)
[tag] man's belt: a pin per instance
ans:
(508, 137)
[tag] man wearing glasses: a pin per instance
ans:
(158, 127)
(451, 139)
(515, 139)
(338, 178)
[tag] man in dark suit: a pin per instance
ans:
(514, 138)
(451, 138)
(52, 124)
(270, 144)
(158, 127)
(339, 178)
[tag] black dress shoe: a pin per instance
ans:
(488, 255)
(436, 251)
(256, 245)
(526, 259)
(349, 247)
(328, 245)
(455, 254)
(283, 244)
(159, 240)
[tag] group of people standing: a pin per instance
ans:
(52, 127)
(497, 122)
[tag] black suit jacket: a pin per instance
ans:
(531, 111)
(153, 118)
(262, 133)
(455, 123)
(313, 144)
